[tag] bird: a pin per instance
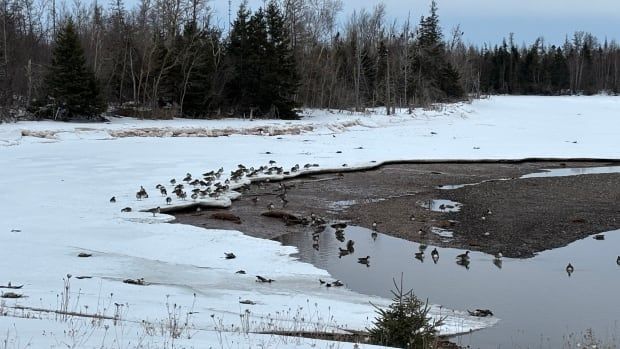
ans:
(350, 247)
(173, 181)
(270, 206)
(156, 211)
(230, 255)
(463, 256)
(374, 235)
(419, 256)
(618, 260)
(337, 283)
(255, 200)
(364, 260)
(263, 279)
(126, 209)
(163, 191)
(374, 225)
(435, 253)
(570, 269)
(168, 200)
(240, 271)
(321, 281)
(113, 199)
(498, 256)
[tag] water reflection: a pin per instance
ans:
(536, 300)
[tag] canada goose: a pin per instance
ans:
(168, 200)
(240, 271)
(337, 283)
(113, 199)
(342, 252)
(463, 256)
(270, 206)
(255, 200)
(194, 196)
(498, 256)
(480, 312)
(262, 279)
(570, 269)
(497, 262)
(618, 260)
(156, 211)
(321, 281)
(599, 237)
(173, 181)
(84, 255)
(230, 255)
(435, 253)
(126, 209)
(364, 260)
(163, 191)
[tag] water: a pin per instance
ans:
(441, 205)
(538, 303)
(555, 172)
(573, 171)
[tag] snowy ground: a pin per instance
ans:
(57, 178)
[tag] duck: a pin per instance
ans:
(113, 199)
(463, 256)
(570, 269)
(364, 260)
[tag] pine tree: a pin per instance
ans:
(433, 77)
(69, 81)
(282, 79)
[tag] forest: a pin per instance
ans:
(169, 58)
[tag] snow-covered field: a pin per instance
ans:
(57, 178)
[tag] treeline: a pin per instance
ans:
(165, 58)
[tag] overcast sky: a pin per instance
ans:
(488, 21)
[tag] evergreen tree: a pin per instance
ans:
(282, 80)
(432, 76)
(69, 81)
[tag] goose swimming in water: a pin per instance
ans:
(230, 255)
(435, 253)
(463, 256)
(113, 199)
(419, 256)
(168, 200)
(570, 269)
(618, 260)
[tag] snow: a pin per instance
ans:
(57, 179)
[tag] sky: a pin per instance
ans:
(489, 21)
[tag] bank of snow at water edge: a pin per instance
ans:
(56, 192)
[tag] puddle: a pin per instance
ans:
(539, 304)
(442, 232)
(573, 171)
(441, 205)
(555, 172)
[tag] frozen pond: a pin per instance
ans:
(538, 303)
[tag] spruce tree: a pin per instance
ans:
(433, 77)
(282, 80)
(69, 81)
